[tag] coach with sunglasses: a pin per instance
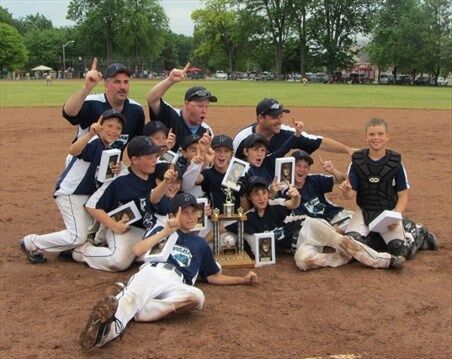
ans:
(188, 120)
(269, 124)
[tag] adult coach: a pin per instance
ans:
(188, 120)
(83, 108)
(269, 124)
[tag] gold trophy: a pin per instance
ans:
(234, 257)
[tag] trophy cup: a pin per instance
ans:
(228, 257)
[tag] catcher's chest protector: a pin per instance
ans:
(376, 191)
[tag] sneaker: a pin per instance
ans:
(34, 257)
(397, 262)
(100, 320)
(65, 256)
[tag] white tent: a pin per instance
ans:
(41, 68)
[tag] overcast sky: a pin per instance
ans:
(178, 11)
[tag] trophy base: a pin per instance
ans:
(235, 260)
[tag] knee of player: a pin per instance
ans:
(119, 264)
(397, 247)
(197, 298)
(304, 262)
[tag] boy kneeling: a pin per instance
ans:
(159, 289)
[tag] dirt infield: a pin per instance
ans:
(349, 310)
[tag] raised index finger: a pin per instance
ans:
(186, 68)
(320, 159)
(94, 65)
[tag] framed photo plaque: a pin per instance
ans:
(236, 169)
(265, 249)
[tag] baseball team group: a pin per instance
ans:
(165, 189)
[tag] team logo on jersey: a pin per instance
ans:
(182, 256)
(142, 205)
(149, 220)
(374, 179)
(315, 207)
(279, 233)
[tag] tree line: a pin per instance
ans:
(283, 36)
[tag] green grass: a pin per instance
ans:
(23, 93)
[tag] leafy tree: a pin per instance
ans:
(33, 22)
(6, 17)
(218, 28)
(98, 23)
(438, 42)
(14, 54)
(300, 13)
(399, 38)
(274, 16)
(336, 24)
(144, 17)
(45, 47)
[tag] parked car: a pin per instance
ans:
(442, 81)
(220, 75)
(386, 79)
(404, 80)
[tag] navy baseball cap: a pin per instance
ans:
(255, 138)
(153, 127)
(114, 69)
(222, 140)
(199, 93)
(112, 113)
(189, 140)
(162, 167)
(255, 181)
(302, 155)
(182, 200)
(271, 107)
(142, 146)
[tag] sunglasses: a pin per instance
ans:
(199, 93)
(274, 106)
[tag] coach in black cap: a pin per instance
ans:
(83, 108)
(269, 123)
(188, 120)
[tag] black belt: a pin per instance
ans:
(170, 267)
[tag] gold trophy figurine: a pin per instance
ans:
(228, 206)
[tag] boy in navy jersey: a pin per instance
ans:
(312, 188)
(135, 186)
(160, 289)
(75, 185)
(211, 178)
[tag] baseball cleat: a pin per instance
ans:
(397, 262)
(430, 241)
(99, 322)
(65, 256)
(34, 257)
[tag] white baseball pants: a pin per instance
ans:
(117, 256)
(317, 233)
(77, 221)
(151, 294)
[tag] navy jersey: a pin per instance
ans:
(192, 256)
(173, 118)
(271, 221)
(313, 200)
(211, 185)
(306, 142)
(128, 188)
(399, 182)
(95, 105)
(267, 168)
(79, 177)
